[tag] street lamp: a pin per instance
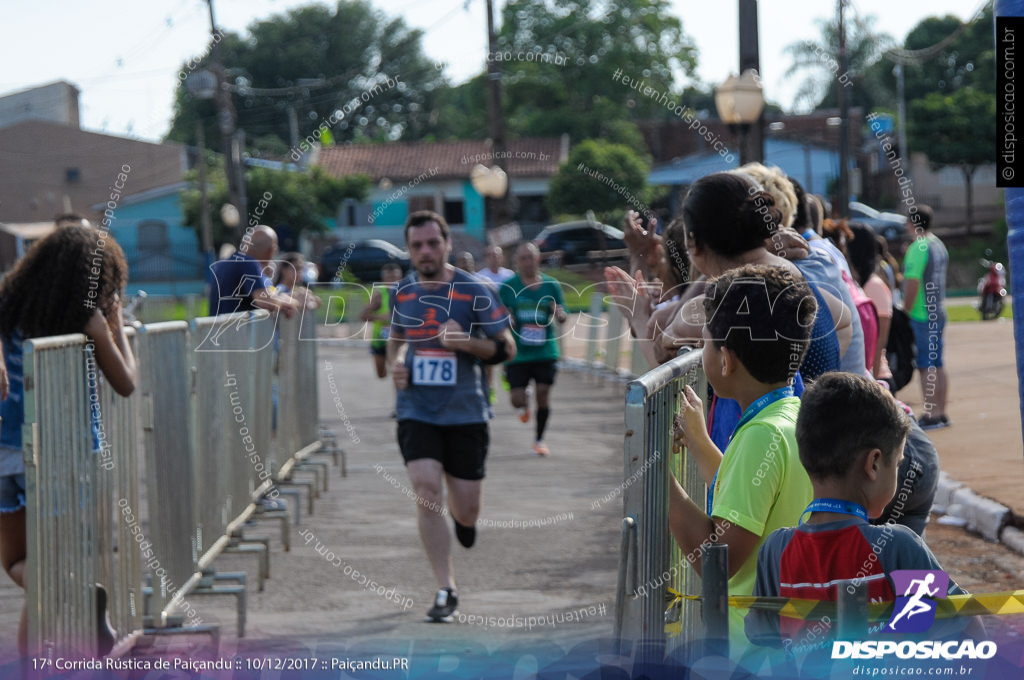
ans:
(739, 101)
(489, 183)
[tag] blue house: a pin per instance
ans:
(814, 166)
(163, 253)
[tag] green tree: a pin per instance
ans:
(967, 61)
(955, 129)
(349, 50)
(566, 53)
(302, 200)
(602, 177)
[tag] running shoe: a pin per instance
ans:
(524, 415)
(540, 448)
(932, 423)
(446, 606)
(466, 535)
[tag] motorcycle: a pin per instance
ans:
(991, 289)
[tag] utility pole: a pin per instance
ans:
(753, 138)
(843, 208)
(226, 123)
(901, 113)
(204, 203)
(502, 207)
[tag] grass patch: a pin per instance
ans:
(969, 313)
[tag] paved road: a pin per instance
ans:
(548, 552)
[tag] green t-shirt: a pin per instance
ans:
(927, 260)
(761, 487)
(533, 317)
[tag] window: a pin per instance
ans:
(454, 212)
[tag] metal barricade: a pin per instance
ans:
(232, 409)
(298, 421)
(650, 561)
(164, 377)
(81, 473)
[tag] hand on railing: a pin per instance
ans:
(689, 427)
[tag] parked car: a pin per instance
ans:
(581, 242)
(362, 259)
(890, 225)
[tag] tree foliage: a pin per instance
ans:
(602, 177)
(353, 46)
(640, 39)
(968, 61)
(955, 129)
(300, 200)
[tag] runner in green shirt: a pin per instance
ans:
(533, 300)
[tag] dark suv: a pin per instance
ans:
(581, 242)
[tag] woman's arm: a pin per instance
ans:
(110, 344)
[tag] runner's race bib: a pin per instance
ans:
(532, 335)
(434, 367)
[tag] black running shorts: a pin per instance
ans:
(542, 373)
(461, 449)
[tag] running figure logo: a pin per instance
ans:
(914, 612)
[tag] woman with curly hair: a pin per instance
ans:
(68, 282)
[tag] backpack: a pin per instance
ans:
(901, 349)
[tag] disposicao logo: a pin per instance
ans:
(914, 611)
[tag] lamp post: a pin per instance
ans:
(739, 101)
(490, 183)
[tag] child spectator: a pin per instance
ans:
(851, 435)
(759, 320)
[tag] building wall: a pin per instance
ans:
(42, 163)
(56, 103)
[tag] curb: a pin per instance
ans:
(982, 515)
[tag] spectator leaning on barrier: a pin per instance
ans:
(850, 433)
(444, 324)
(68, 282)
(757, 331)
(649, 304)
(924, 295)
(239, 283)
(288, 280)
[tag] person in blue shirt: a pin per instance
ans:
(444, 325)
(239, 283)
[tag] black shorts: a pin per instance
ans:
(542, 372)
(461, 449)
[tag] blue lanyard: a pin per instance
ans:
(760, 404)
(837, 506)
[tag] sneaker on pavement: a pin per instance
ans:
(524, 415)
(540, 448)
(466, 535)
(932, 423)
(446, 606)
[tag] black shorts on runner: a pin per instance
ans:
(461, 449)
(542, 372)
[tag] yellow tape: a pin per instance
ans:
(983, 604)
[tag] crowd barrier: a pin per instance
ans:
(79, 472)
(650, 562)
(204, 408)
(298, 431)
(603, 350)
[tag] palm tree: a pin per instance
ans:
(870, 84)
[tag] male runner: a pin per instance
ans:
(444, 324)
(532, 299)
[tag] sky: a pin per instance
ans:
(125, 57)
